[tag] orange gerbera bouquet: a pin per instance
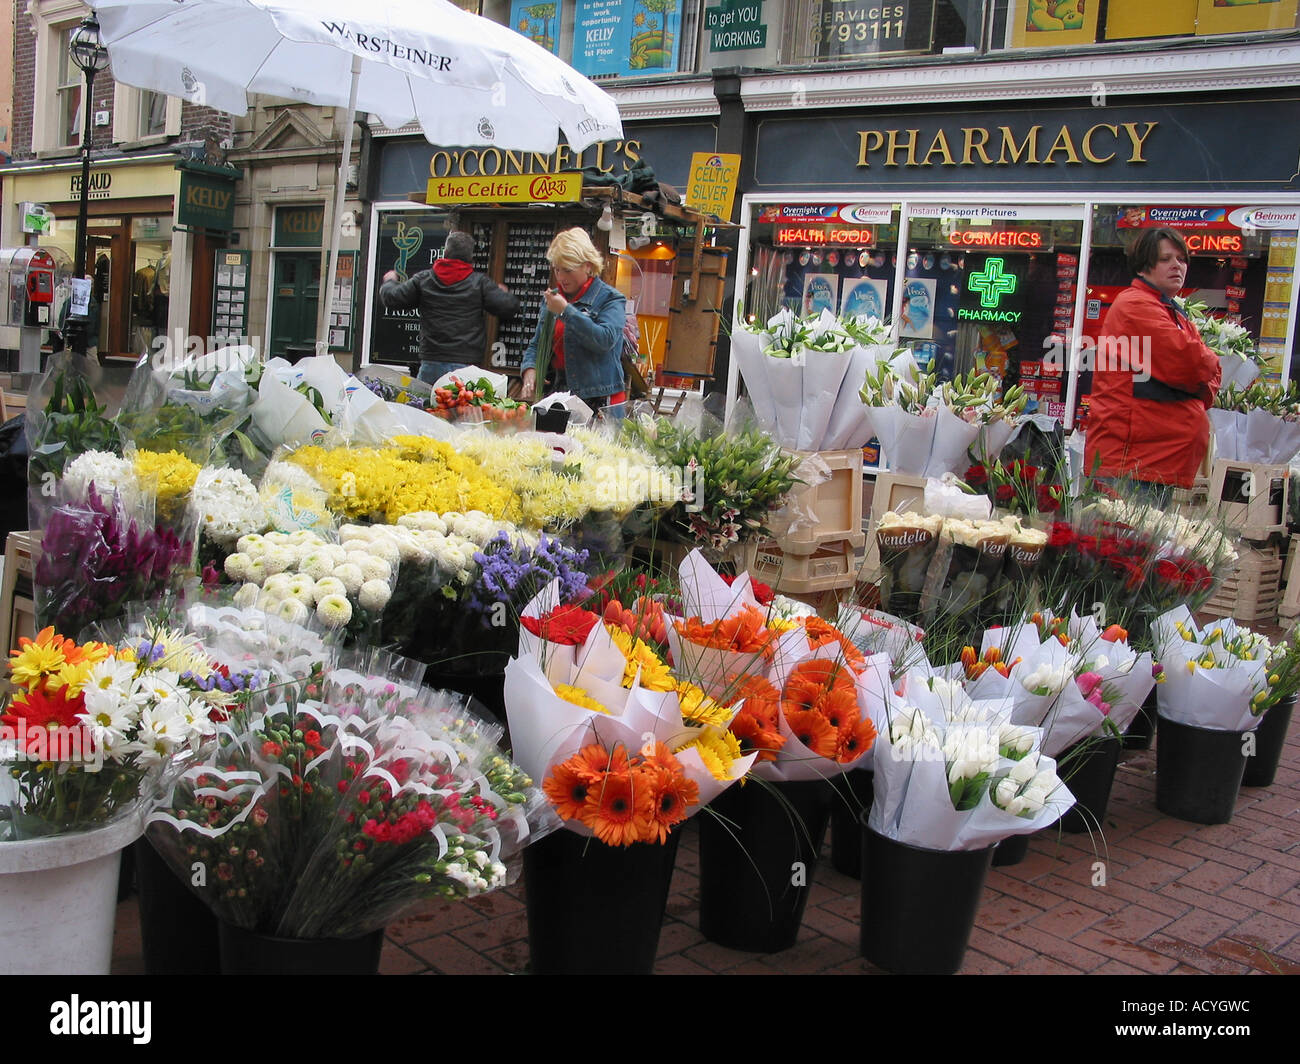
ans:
(809, 697)
(626, 746)
(623, 798)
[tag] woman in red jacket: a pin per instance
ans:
(1154, 378)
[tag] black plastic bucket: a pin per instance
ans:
(1198, 771)
(595, 909)
(918, 905)
(759, 846)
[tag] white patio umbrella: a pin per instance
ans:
(466, 80)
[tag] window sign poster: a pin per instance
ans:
(540, 23)
(626, 37)
(917, 316)
(863, 297)
(819, 293)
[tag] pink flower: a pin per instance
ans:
(1090, 684)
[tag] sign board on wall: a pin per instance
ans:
(540, 23)
(230, 279)
(1124, 145)
(735, 26)
(531, 188)
(626, 37)
(713, 183)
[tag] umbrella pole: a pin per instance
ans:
(326, 295)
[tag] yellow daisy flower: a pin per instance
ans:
(718, 749)
(655, 675)
(578, 697)
(699, 707)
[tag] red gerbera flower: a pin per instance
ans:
(567, 625)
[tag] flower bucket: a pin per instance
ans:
(1089, 777)
(596, 909)
(1198, 771)
(178, 932)
(1011, 851)
(1143, 725)
(918, 905)
(1270, 737)
(853, 795)
(58, 901)
(250, 953)
(552, 419)
(759, 846)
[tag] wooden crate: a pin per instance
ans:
(1251, 499)
(837, 503)
(1288, 610)
(831, 567)
(1253, 593)
(17, 605)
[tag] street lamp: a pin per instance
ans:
(92, 57)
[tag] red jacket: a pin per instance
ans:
(1150, 429)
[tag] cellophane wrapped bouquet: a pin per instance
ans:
(339, 797)
(1257, 423)
(627, 746)
(809, 701)
(1067, 677)
(1220, 675)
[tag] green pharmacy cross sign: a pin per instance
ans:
(991, 283)
(735, 25)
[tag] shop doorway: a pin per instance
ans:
(294, 294)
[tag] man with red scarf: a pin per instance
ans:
(452, 298)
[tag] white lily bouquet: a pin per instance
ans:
(1238, 356)
(954, 773)
(1256, 423)
(1216, 676)
(928, 427)
(802, 375)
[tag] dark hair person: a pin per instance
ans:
(1154, 378)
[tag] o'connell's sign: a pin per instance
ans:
(524, 188)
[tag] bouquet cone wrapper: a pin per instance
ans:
(907, 544)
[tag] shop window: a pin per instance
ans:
(57, 117)
(1055, 23)
(1241, 267)
(612, 38)
(846, 30)
(69, 89)
(140, 115)
(814, 256)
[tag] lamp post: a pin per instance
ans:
(91, 56)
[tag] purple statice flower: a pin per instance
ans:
(513, 573)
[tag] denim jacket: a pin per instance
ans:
(593, 341)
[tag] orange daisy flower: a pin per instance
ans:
(857, 742)
(618, 809)
(840, 708)
(745, 632)
(813, 730)
(594, 761)
(810, 680)
(671, 795)
(757, 736)
(567, 788)
(821, 633)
